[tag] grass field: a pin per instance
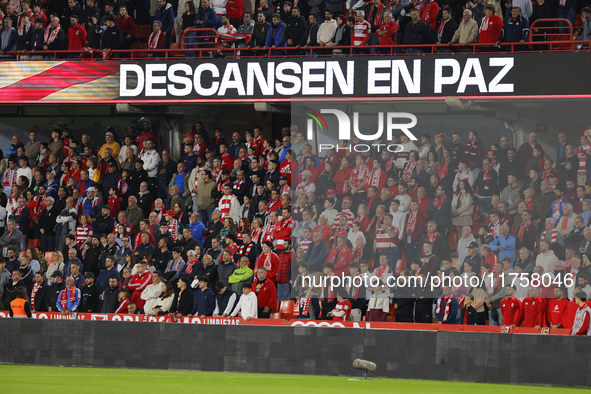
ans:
(45, 380)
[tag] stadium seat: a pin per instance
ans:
(276, 307)
(578, 22)
(49, 257)
(21, 254)
(33, 243)
(276, 316)
(286, 307)
(453, 240)
(175, 45)
(143, 32)
(401, 266)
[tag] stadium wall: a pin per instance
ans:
(451, 356)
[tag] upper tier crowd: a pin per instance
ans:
(284, 27)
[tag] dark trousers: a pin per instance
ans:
(263, 314)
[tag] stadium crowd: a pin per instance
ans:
(91, 25)
(236, 226)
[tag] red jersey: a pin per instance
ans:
(342, 310)
(532, 312)
(556, 310)
(509, 307)
(428, 11)
(361, 32)
(490, 29)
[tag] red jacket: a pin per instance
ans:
(532, 312)
(272, 265)
(509, 307)
(389, 38)
(266, 293)
(235, 8)
(282, 275)
(342, 180)
(76, 38)
(137, 284)
(227, 162)
(419, 230)
(127, 26)
(282, 231)
(342, 265)
(490, 29)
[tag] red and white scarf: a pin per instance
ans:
(494, 283)
(443, 169)
(412, 221)
(303, 303)
(554, 237)
(374, 177)
(486, 175)
(407, 173)
(48, 38)
(153, 40)
(446, 307)
(431, 237)
(381, 270)
(36, 287)
(461, 195)
(330, 295)
(522, 229)
(189, 266)
(7, 182)
(225, 204)
(438, 201)
(355, 289)
(256, 234)
(557, 204)
(23, 29)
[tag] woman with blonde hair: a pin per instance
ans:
(57, 265)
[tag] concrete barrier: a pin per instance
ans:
(449, 356)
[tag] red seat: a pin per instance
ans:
(286, 307)
(33, 243)
(400, 266)
(21, 254)
(143, 32)
(276, 316)
(175, 45)
(49, 257)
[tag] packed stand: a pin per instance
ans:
(282, 28)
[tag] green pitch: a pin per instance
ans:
(46, 380)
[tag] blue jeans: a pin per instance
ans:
(162, 190)
(373, 40)
(48, 242)
(205, 215)
(476, 172)
(566, 14)
(414, 50)
(283, 293)
(484, 205)
(392, 255)
(492, 322)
